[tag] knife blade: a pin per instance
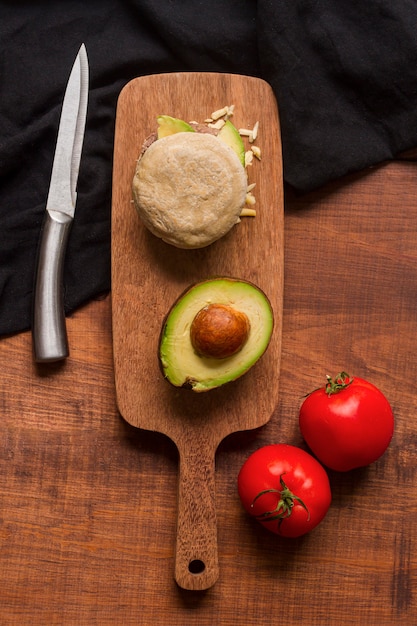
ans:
(50, 341)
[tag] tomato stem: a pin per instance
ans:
(340, 381)
(284, 505)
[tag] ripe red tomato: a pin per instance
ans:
(348, 423)
(285, 488)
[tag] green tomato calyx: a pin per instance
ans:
(339, 382)
(284, 505)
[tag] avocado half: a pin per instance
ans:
(182, 364)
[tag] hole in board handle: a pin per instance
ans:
(196, 566)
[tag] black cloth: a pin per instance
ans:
(344, 73)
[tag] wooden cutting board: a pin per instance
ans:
(149, 275)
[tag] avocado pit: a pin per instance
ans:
(218, 331)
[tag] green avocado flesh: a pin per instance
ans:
(170, 125)
(230, 135)
(182, 366)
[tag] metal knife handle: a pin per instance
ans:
(50, 341)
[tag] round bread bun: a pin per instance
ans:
(189, 189)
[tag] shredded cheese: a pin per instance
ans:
(256, 151)
(251, 134)
(246, 212)
(219, 113)
(218, 125)
(248, 158)
(250, 199)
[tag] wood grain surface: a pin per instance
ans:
(149, 275)
(88, 502)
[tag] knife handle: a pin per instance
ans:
(49, 332)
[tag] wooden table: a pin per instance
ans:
(88, 504)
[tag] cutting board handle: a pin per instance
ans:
(196, 558)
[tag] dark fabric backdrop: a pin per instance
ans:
(344, 73)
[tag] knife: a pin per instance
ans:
(49, 333)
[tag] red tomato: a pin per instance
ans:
(348, 423)
(285, 488)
